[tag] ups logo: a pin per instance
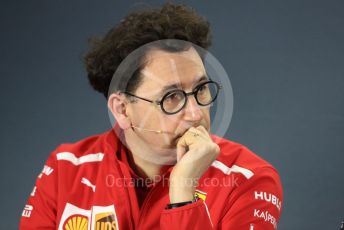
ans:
(105, 221)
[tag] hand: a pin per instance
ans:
(195, 153)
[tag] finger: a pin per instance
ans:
(189, 137)
(201, 132)
(205, 131)
(182, 146)
(202, 129)
(185, 142)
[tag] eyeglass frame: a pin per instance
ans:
(186, 95)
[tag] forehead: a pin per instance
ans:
(166, 68)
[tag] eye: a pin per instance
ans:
(173, 97)
(202, 87)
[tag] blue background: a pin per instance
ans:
(284, 58)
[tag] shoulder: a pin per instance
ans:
(90, 149)
(237, 156)
(252, 174)
(247, 168)
(256, 194)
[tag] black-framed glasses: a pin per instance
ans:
(175, 100)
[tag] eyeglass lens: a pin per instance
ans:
(175, 100)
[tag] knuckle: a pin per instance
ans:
(193, 129)
(201, 128)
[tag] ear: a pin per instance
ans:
(117, 104)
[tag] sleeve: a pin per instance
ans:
(256, 204)
(40, 209)
(195, 215)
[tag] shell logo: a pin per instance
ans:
(76, 222)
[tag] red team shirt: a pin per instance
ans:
(90, 184)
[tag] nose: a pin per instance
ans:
(193, 111)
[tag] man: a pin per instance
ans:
(196, 180)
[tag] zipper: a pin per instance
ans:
(145, 204)
(148, 198)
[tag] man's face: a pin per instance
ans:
(164, 72)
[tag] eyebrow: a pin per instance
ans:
(178, 85)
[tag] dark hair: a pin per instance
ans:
(137, 29)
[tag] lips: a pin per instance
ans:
(182, 133)
(177, 138)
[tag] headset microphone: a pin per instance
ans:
(151, 130)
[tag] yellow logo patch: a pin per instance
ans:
(105, 221)
(76, 222)
(201, 195)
